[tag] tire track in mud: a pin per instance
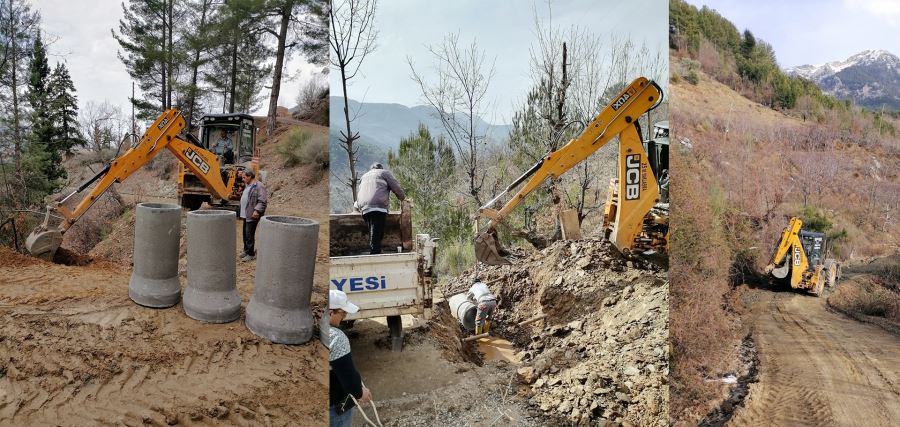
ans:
(818, 368)
(90, 356)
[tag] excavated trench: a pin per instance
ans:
(600, 351)
(749, 365)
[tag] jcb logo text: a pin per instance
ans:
(632, 177)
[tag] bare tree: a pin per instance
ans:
(353, 36)
(458, 98)
(103, 126)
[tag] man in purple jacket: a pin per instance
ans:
(253, 207)
(373, 199)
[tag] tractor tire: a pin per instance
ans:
(831, 273)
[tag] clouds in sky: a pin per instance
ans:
(84, 43)
(813, 31)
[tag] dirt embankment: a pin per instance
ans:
(601, 353)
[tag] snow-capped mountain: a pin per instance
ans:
(870, 78)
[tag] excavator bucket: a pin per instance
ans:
(783, 271)
(43, 243)
(487, 251)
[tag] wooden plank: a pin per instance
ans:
(571, 229)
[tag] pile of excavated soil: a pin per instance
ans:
(601, 353)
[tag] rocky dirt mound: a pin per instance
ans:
(600, 354)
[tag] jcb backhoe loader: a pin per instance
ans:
(800, 259)
(165, 133)
(634, 220)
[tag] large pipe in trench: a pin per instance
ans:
(463, 310)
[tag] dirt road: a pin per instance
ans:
(818, 367)
(74, 350)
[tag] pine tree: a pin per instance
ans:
(42, 131)
(64, 111)
(425, 168)
(150, 52)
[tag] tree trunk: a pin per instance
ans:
(169, 52)
(195, 67)
(557, 125)
(234, 48)
(348, 142)
(287, 8)
(17, 135)
(162, 66)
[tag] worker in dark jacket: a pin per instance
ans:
(344, 379)
(253, 207)
(373, 199)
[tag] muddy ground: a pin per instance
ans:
(598, 358)
(74, 349)
(431, 383)
(818, 366)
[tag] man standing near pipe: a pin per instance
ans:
(373, 200)
(486, 303)
(344, 380)
(253, 207)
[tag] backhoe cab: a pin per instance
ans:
(634, 218)
(235, 131)
(800, 260)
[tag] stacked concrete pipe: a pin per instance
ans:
(157, 234)
(463, 310)
(211, 294)
(285, 262)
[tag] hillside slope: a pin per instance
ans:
(743, 170)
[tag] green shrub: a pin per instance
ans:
(299, 147)
(692, 77)
(455, 257)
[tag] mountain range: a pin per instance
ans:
(870, 78)
(385, 124)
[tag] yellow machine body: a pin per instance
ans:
(164, 134)
(634, 194)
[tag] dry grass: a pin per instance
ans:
(703, 327)
(866, 297)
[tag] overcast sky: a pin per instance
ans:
(503, 29)
(816, 31)
(89, 51)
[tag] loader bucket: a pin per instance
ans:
(486, 249)
(43, 244)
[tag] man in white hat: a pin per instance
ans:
(344, 379)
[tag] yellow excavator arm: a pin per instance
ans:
(165, 133)
(637, 190)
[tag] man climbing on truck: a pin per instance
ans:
(486, 302)
(373, 200)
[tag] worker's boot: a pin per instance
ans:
(487, 326)
(477, 329)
